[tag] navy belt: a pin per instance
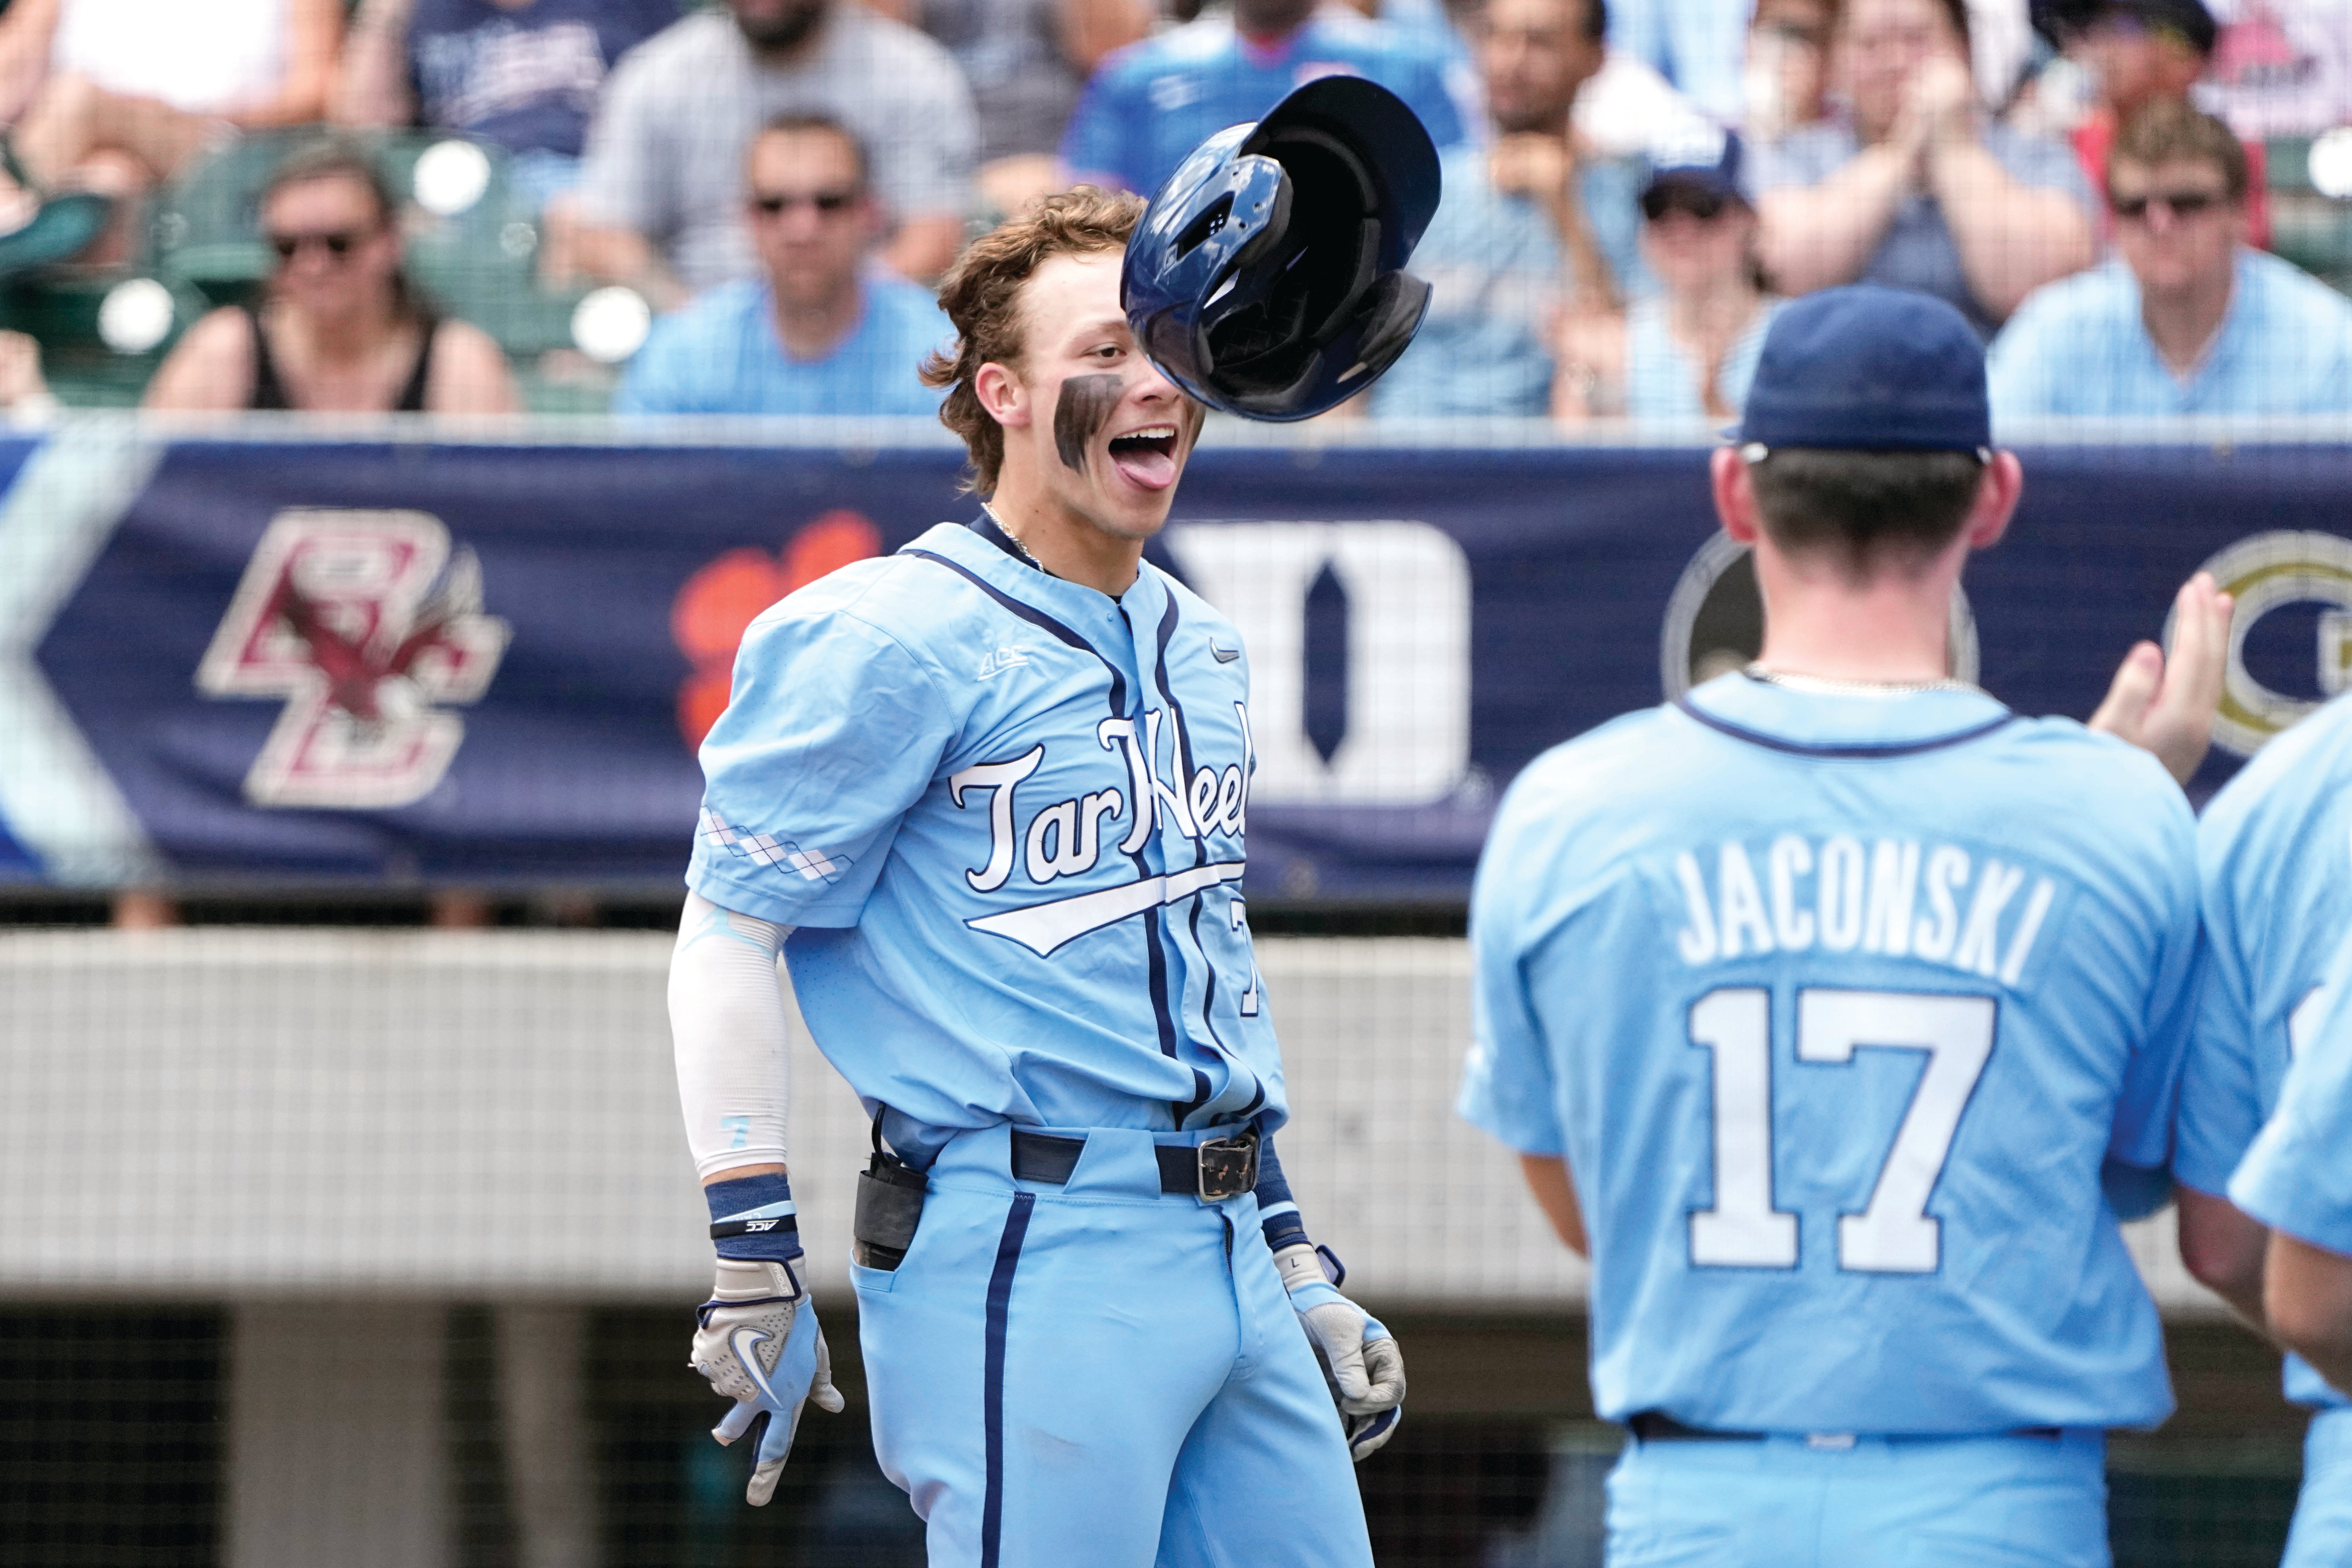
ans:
(1657, 1426)
(1220, 1169)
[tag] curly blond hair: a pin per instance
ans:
(981, 295)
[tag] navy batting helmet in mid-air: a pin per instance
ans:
(1267, 278)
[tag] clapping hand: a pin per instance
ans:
(1531, 164)
(2164, 705)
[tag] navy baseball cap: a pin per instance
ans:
(1864, 368)
(2060, 21)
(1700, 156)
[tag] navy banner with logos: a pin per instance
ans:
(306, 663)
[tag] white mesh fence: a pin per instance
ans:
(231, 1113)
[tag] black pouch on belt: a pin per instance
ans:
(890, 1206)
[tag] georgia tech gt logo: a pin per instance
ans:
(2263, 573)
(364, 622)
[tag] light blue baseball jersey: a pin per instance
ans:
(721, 356)
(2296, 1176)
(2080, 346)
(1006, 814)
(2274, 852)
(1150, 103)
(1836, 1005)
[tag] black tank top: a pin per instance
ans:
(269, 391)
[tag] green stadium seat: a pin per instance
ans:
(202, 229)
(479, 265)
(2311, 230)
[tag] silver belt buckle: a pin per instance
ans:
(1228, 1167)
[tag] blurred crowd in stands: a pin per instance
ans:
(737, 206)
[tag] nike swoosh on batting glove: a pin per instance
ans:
(1360, 1358)
(758, 1341)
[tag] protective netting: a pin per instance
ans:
(377, 1246)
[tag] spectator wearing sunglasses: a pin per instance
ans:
(2131, 53)
(823, 330)
(2191, 319)
(338, 329)
(1686, 354)
(659, 203)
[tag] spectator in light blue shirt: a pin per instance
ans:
(1154, 101)
(2191, 320)
(1537, 225)
(823, 332)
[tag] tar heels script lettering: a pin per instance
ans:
(1895, 897)
(1068, 837)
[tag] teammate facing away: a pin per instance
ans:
(2274, 850)
(2296, 1179)
(1855, 1003)
(994, 789)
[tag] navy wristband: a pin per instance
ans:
(753, 1220)
(1278, 1211)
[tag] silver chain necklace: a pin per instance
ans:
(1013, 536)
(1835, 688)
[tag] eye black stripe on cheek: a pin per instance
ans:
(1085, 401)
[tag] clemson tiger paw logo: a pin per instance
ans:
(719, 602)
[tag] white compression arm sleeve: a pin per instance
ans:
(727, 1027)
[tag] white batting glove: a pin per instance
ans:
(1359, 1356)
(759, 1343)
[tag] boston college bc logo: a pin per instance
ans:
(366, 623)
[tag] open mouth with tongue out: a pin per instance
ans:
(1147, 457)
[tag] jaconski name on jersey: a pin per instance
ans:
(1895, 897)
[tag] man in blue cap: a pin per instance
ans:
(1832, 1027)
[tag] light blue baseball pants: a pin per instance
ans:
(1903, 1502)
(1099, 1374)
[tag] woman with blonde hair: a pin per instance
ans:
(339, 330)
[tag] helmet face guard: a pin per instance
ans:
(1268, 277)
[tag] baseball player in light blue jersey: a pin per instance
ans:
(992, 793)
(2274, 849)
(1855, 1003)
(2296, 1179)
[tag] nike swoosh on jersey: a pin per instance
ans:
(1042, 928)
(748, 1355)
(1225, 655)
